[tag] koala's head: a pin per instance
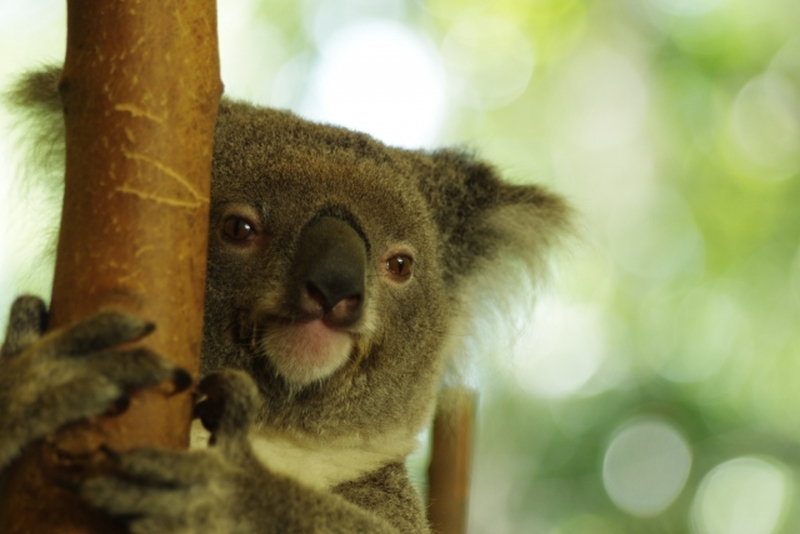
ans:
(338, 266)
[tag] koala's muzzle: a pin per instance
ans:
(329, 271)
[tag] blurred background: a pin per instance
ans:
(656, 388)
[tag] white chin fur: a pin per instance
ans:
(303, 353)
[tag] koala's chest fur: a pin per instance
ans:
(319, 464)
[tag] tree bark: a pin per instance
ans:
(451, 461)
(140, 90)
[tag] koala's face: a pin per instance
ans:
(325, 279)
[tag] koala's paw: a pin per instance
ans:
(47, 381)
(211, 490)
(228, 407)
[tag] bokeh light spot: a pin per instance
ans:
(489, 60)
(686, 8)
(742, 496)
(766, 125)
(247, 74)
(714, 329)
(795, 278)
(646, 466)
(560, 350)
(379, 77)
(601, 99)
(323, 18)
(657, 238)
(585, 524)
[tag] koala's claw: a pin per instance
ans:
(103, 330)
(181, 379)
(142, 477)
(231, 403)
(157, 491)
(66, 483)
(111, 453)
(27, 322)
(120, 405)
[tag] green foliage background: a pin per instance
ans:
(673, 126)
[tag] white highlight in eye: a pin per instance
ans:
(381, 78)
(646, 467)
(743, 496)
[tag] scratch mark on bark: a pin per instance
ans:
(169, 172)
(142, 250)
(136, 111)
(161, 200)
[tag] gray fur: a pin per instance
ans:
(47, 381)
(445, 210)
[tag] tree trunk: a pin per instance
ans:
(140, 90)
(451, 461)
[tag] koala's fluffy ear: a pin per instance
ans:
(482, 218)
(36, 105)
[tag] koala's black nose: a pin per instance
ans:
(329, 270)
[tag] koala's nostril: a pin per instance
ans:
(312, 301)
(335, 309)
(345, 312)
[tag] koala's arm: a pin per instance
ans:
(50, 380)
(224, 489)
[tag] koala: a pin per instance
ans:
(340, 275)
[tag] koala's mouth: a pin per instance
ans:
(307, 351)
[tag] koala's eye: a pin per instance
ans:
(238, 229)
(400, 266)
